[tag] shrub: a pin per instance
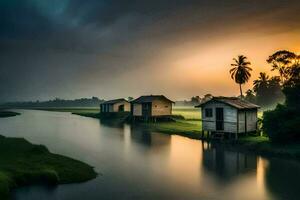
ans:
(282, 124)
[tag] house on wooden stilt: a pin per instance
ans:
(228, 116)
(151, 108)
(114, 106)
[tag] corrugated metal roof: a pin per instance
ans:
(150, 98)
(234, 102)
(113, 101)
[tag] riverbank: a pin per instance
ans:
(4, 113)
(251, 144)
(23, 163)
(186, 128)
(190, 126)
(179, 125)
(263, 146)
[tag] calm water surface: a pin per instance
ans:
(136, 164)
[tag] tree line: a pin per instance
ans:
(282, 123)
(57, 102)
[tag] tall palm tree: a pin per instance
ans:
(240, 72)
(262, 82)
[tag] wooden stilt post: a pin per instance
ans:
(245, 123)
(202, 136)
(237, 125)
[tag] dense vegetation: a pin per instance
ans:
(283, 123)
(83, 102)
(266, 91)
(8, 114)
(269, 91)
(23, 163)
(194, 101)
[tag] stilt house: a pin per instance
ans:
(151, 107)
(115, 105)
(228, 115)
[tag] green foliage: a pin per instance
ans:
(56, 103)
(191, 129)
(78, 110)
(8, 114)
(282, 124)
(23, 163)
(250, 96)
(267, 90)
(292, 94)
(282, 61)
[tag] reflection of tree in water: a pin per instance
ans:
(282, 179)
(141, 135)
(224, 164)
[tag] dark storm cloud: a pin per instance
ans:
(52, 48)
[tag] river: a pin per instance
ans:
(137, 164)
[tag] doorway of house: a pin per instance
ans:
(121, 108)
(219, 119)
(146, 109)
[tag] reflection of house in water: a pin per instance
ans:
(226, 164)
(149, 138)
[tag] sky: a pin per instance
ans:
(119, 48)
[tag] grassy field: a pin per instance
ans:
(23, 163)
(189, 113)
(8, 114)
(185, 128)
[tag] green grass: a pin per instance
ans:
(263, 146)
(23, 163)
(107, 118)
(185, 128)
(189, 113)
(8, 114)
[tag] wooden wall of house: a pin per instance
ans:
(106, 108)
(252, 120)
(161, 108)
(230, 117)
(110, 108)
(126, 106)
(137, 109)
(251, 116)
